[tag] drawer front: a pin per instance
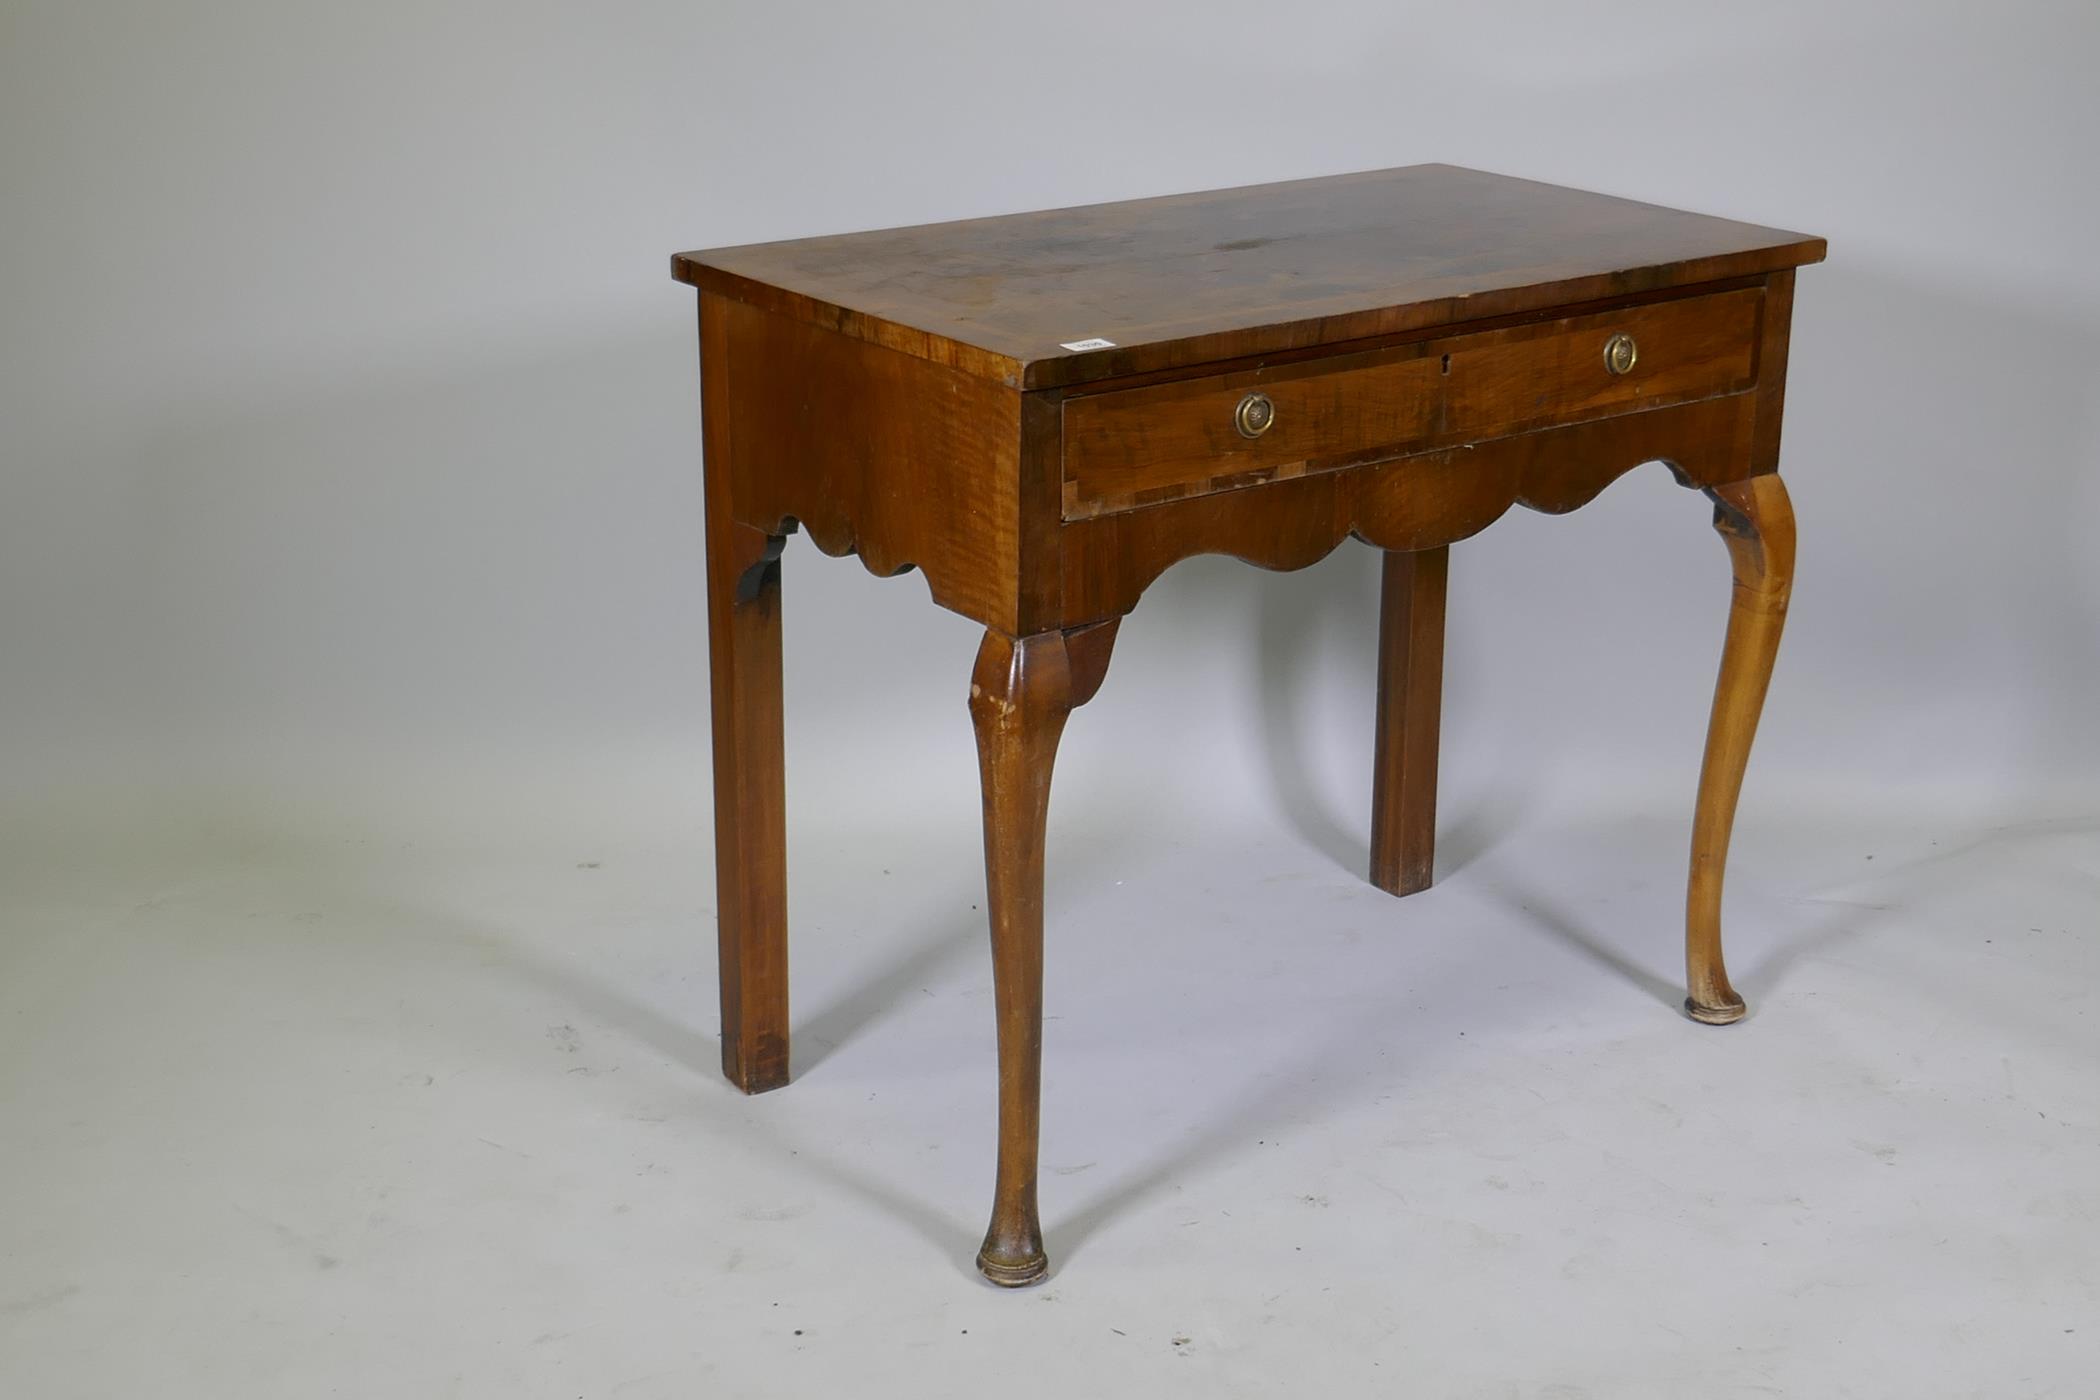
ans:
(1135, 447)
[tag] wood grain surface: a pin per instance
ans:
(1189, 278)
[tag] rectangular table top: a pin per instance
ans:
(1065, 296)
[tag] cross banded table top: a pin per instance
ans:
(1065, 296)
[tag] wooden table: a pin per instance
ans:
(1042, 412)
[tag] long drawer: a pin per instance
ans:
(1134, 447)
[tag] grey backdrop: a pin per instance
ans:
(350, 444)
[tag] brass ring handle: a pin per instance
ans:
(1255, 415)
(1620, 353)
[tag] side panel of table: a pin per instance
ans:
(904, 462)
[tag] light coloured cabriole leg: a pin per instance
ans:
(1756, 520)
(1021, 692)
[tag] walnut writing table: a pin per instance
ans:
(1044, 411)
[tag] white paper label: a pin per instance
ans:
(1097, 343)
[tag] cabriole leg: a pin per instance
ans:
(1020, 694)
(1756, 520)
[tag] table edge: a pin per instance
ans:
(1072, 369)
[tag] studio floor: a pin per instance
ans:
(355, 1117)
